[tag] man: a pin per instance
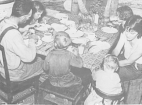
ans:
(20, 58)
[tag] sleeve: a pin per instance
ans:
(76, 61)
(26, 53)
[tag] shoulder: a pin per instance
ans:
(116, 77)
(100, 72)
(14, 34)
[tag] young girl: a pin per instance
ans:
(59, 60)
(107, 80)
(38, 12)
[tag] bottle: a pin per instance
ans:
(96, 18)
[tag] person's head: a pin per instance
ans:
(62, 40)
(133, 28)
(110, 63)
(124, 12)
(22, 9)
(39, 10)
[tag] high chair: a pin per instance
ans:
(115, 99)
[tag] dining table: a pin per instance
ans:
(90, 60)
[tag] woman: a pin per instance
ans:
(130, 43)
(38, 12)
(124, 13)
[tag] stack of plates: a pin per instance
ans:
(43, 27)
(109, 30)
(58, 27)
(37, 44)
(47, 38)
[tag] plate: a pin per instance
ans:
(47, 39)
(37, 44)
(61, 16)
(73, 33)
(80, 40)
(116, 22)
(97, 46)
(58, 27)
(109, 29)
(43, 27)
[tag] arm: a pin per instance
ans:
(119, 45)
(76, 61)
(133, 57)
(25, 53)
(26, 28)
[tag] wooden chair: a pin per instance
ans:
(13, 92)
(64, 96)
(115, 99)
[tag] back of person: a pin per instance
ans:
(18, 55)
(107, 80)
(108, 83)
(59, 60)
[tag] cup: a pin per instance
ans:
(91, 36)
(81, 49)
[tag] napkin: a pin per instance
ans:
(97, 46)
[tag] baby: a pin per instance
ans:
(107, 80)
(58, 61)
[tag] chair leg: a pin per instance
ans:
(36, 93)
(9, 98)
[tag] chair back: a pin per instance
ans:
(114, 98)
(4, 64)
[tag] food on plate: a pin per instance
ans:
(88, 27)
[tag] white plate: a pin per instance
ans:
(58, 27)
(37, 44)
(109, 30)
(43, 27)
(74, 33)
(97, 46)
(47, 39)
(61, 16)
(80, 40)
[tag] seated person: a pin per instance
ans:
(21, 59)
(38, 12)
(130, 43)
(58, 61)
(107, 80)
(124, 13)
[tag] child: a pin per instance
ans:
(59, 60)
(107, 80)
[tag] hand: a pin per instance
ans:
(35, 37)
(31, 31)
(73, 50)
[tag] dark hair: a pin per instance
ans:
(135, 23)
(21, 8)
(38, 6)
(125, 12)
